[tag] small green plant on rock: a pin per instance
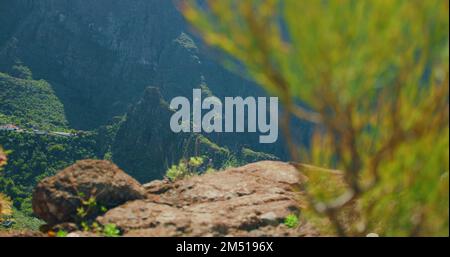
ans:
(88, 206)
(111, 230)
(185, 168)
(61, 233)
(291, 221)
(87, 210)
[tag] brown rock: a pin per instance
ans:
(55, 199)
(20, 233)
(252, 200)
(67, 226)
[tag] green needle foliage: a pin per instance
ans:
(374, 78)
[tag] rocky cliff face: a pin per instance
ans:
(100, 55)
(252, 200)
(145, 146)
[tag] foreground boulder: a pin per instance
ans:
(252, 200)
(56, 199)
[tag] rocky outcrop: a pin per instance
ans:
(252, 200)
(145, 146)
(56, 199)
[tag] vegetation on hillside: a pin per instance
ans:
(34, 157)
(5, 202)
(29, 103)
(374, 78)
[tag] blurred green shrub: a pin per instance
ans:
(373, 76)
